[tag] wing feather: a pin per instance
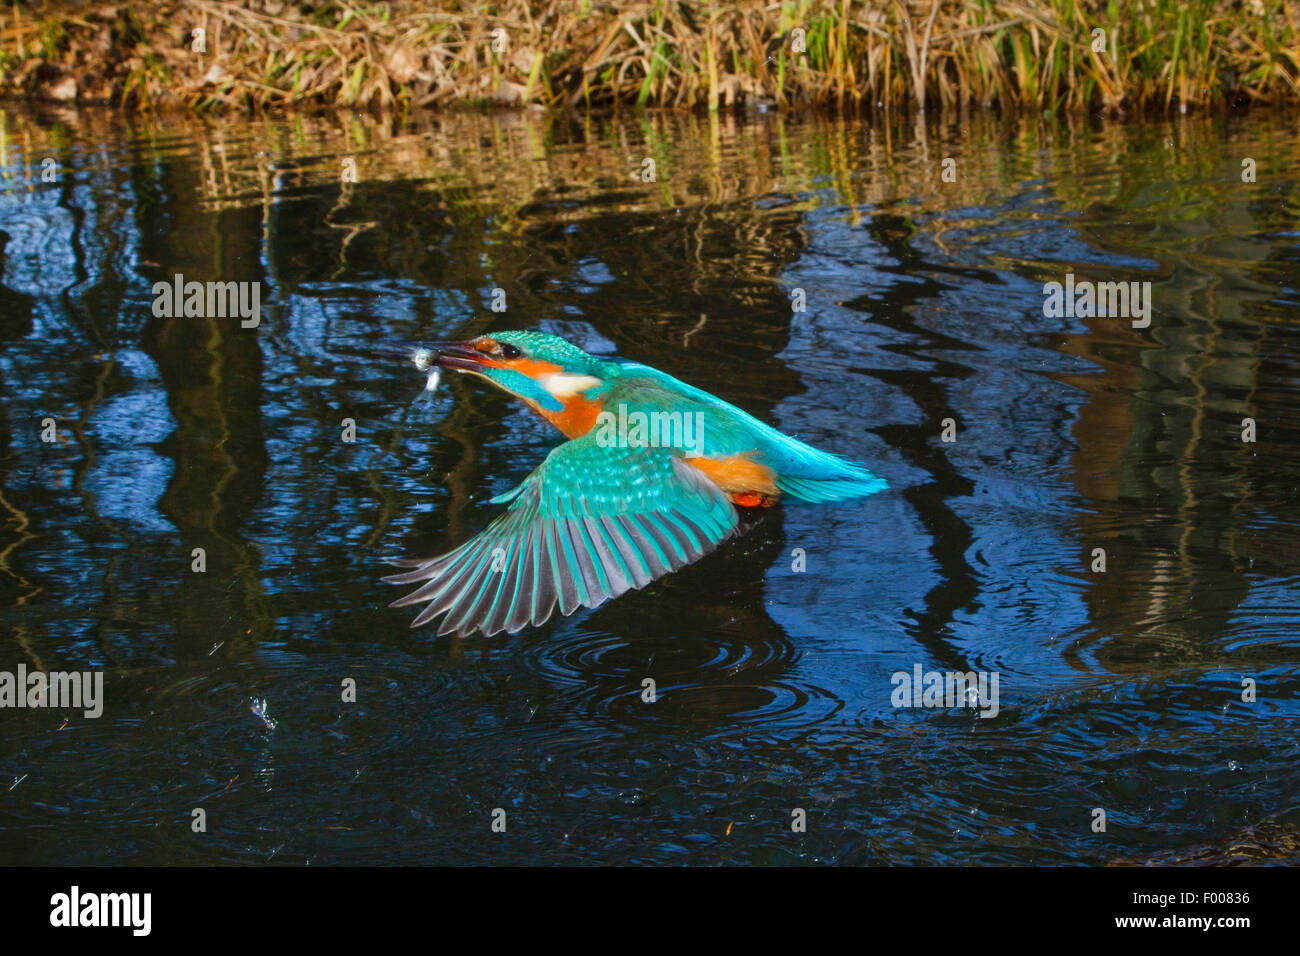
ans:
(588, 525)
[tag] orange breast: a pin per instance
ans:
(748, 483)
(577, 418)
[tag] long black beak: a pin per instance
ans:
(457, 355)
(452, 355)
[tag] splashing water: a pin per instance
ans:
(259, 709)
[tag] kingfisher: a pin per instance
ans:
(649, 480)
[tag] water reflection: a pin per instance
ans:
(772, 685)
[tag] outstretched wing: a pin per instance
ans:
(589, 524)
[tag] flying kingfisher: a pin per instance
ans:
(648, 481)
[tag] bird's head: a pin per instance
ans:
(553, 376)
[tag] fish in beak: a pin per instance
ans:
(461, 356)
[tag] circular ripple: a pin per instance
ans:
(780, 705)
(721, 681)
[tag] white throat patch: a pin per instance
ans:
(566, 384)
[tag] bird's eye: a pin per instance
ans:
(510, 351)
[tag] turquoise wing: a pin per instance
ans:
(589, 524)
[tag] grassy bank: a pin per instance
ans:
(1040, 54)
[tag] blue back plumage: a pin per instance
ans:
(802, 472)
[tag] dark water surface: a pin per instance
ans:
(1119, 690)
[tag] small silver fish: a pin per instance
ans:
(423, 360)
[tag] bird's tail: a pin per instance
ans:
(832, 488)
(810, 474)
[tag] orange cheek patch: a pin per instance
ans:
(533, 368)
